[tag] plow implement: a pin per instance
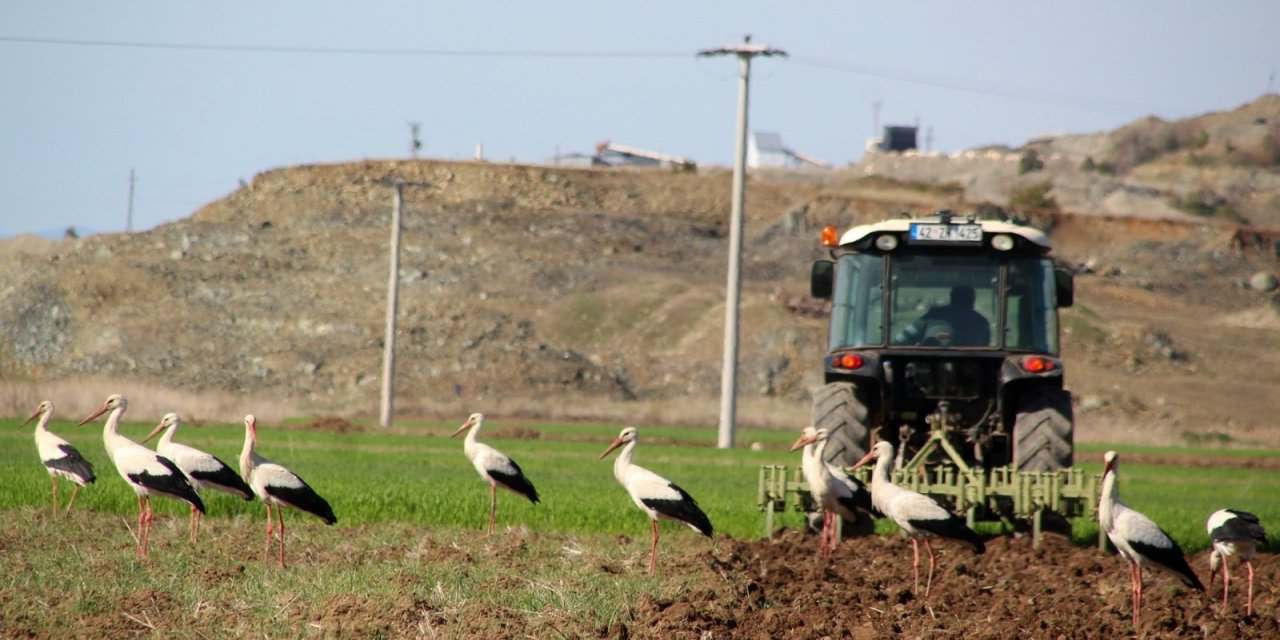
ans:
(1014, 498)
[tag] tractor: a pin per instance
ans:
(943, 339)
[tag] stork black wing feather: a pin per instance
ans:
(1171, 558)
(685, 509)
(74, 463)
(516, 482)
(305, 498)
(1244, 526)
(173, 483)
(225, 479)
(952, 527)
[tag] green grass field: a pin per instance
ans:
(419, 476)
(408, 557)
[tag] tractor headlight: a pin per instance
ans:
(1002, 242)
(887, 242)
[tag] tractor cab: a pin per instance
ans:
(944, 327)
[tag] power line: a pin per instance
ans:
(971, 86)
(955, 84)
(475, 53)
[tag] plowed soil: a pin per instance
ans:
(706, 589)
(784, 589)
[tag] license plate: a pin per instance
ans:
(946, 233)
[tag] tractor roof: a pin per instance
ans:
(902, 225)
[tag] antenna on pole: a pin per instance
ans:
(128, 218)
(415, 142)
(729, 372)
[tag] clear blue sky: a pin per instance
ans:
(195, 96)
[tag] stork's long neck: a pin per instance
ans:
(1109, 499)
(166, 438)
(881, 475)
(246, 455)
(469, 443)
(811, 458)
(111, 437)
(623, 461)
(42, 425)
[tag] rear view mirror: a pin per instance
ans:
(1066, 287)
(821, 277)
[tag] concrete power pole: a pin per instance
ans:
(393, 300)
(729, 372)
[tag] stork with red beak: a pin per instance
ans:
(1234, 533)
(658, 497)
(1140, 541)
(494, 466)
(59, 457)
(147, 472)
(918, 515)
(205, 470)
(838, 494)
(278, 487)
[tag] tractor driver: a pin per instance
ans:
(954, 324)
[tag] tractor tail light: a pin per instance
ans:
(847, 361)
(1038, 364)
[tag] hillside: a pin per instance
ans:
(560, 292)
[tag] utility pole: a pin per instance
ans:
(393, 300)
(729, 372)
(128, 219)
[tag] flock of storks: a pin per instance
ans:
(181, 472)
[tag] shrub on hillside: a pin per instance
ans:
(1034, 197)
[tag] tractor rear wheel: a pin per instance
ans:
(1043, 432)
(839, 409)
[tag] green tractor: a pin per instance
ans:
(943, 339)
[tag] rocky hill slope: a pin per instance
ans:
(579, 293)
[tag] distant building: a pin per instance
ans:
(765, 150)
(897, 138)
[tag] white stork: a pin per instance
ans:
(656, 496)
(834, 490)
(59, 457)
(204, 470)
(1234, 532)
(149, 473)
(494, 466)
(278, 487)
(1139, 540)
(918, 515)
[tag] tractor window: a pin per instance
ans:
(944, 299)
(1031, 315)
(857, 313)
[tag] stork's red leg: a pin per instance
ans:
(74, 492)
(1226, 581)
(653, 548)
(493, 506)
(137, 538)
(1248, 608)
(280, 517)
(146, 530)
(1137, 600)
(929, 582)
(54, 479)
(266, 551)
(915, 562)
